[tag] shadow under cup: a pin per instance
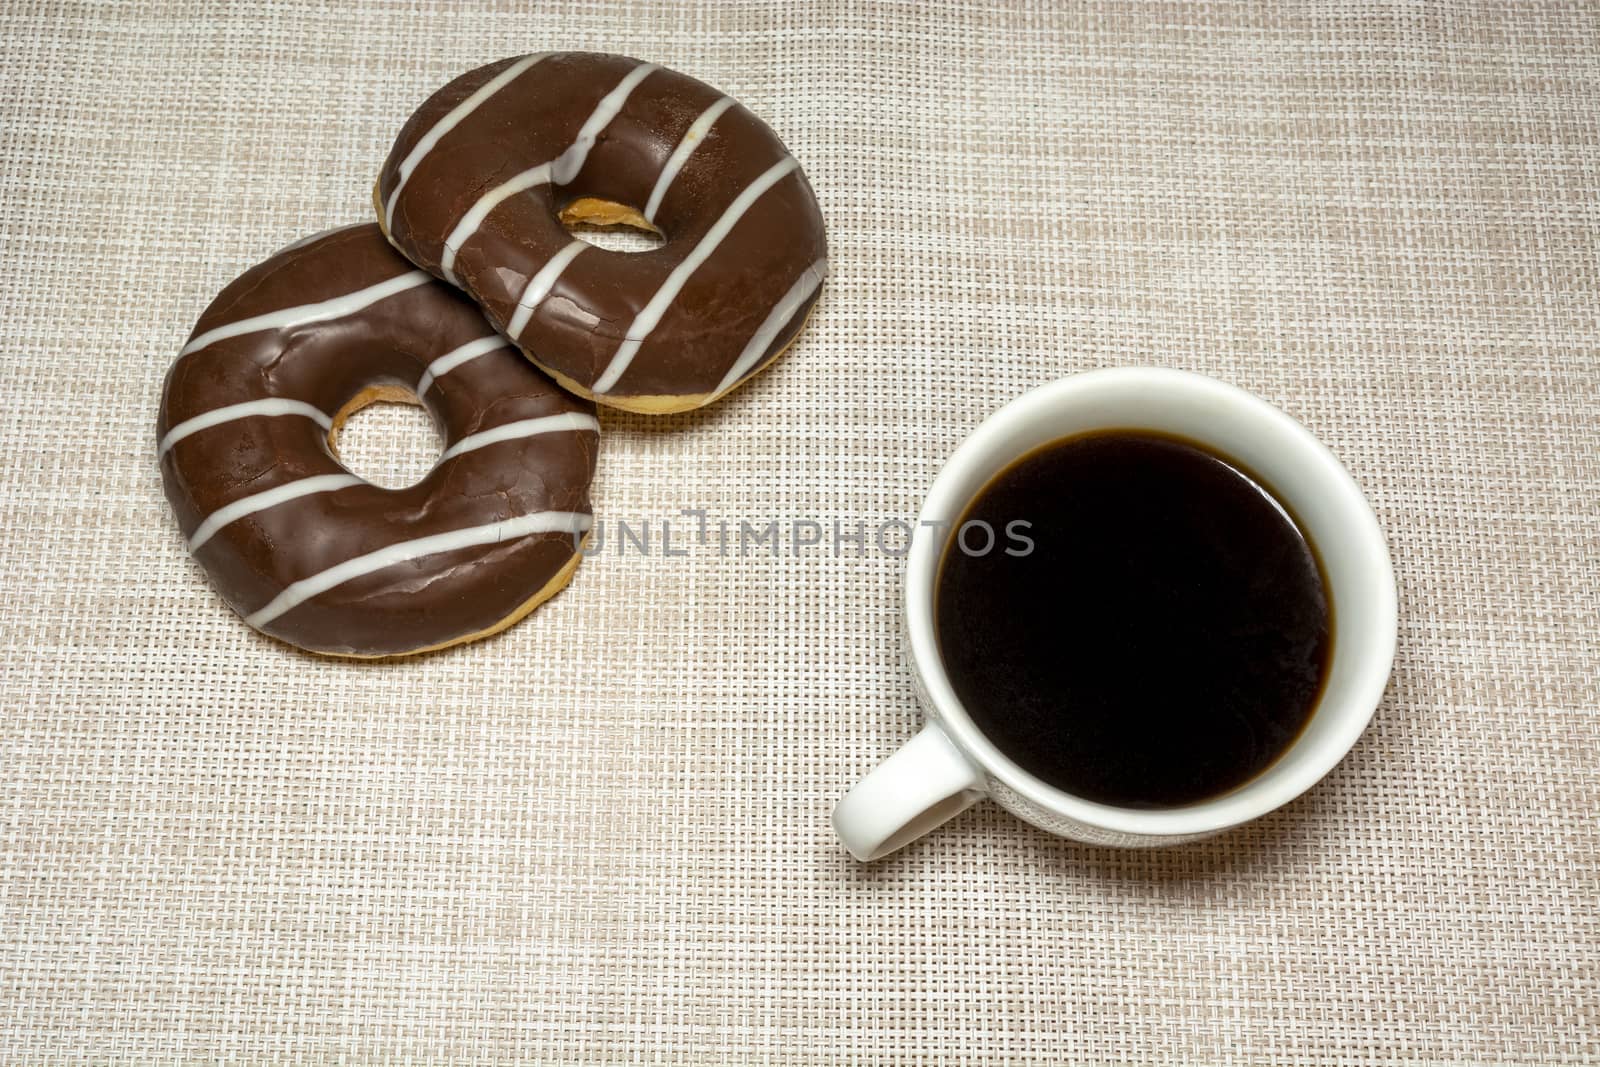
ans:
(1294, 467)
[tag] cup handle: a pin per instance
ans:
(925, 784)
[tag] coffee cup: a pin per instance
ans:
(952, 764)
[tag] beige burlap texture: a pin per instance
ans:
(603, 836)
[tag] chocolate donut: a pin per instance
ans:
(314, 555)
(484, 176)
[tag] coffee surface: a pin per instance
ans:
(1164, 639)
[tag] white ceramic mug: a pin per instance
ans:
(951, 765)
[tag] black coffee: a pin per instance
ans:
(1163, 641)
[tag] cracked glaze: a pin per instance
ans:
(475, 185)
(317, 557)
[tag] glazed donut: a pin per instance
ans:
(484, 176)
(310, 553)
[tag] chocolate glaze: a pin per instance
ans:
(577, 329)
(405, 607)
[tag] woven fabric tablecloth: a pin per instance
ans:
(604, 835)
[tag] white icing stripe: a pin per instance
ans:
(680, 155)
(514, 431)
(321, 483)
(297, 593)
(430, 140)
(560, 170)
(782, 312)
(540, 284)
(479, 211)
(249, 409)
(570, 162)
(454, 358)
(648, 318)
(338, 307)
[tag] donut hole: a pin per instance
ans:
(387, 437)
(610, 225)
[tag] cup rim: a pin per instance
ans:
(1256, 797)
